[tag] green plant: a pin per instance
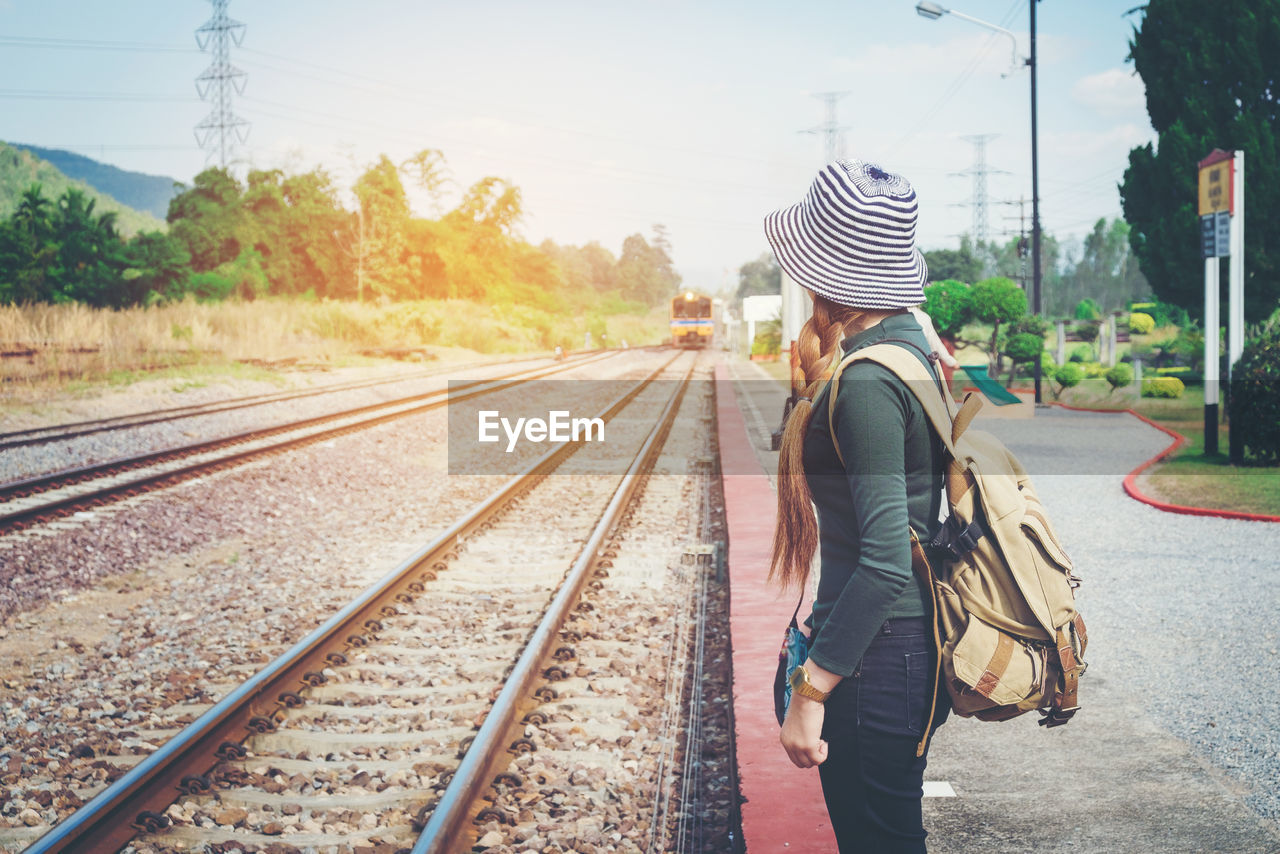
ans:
(1170, 387)
(1081, 353)
(1087, 309)
(1119, 376)
(1141, 324)
(1255, 398)
(1065, 377)
(1093, 370)
(768, 340)
(1087, 330)
(1023, 348)
(949, 304)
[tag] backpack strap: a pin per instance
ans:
(949, 421)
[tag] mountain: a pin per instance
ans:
(21, 167)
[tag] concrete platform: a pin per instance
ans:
(1118, 778)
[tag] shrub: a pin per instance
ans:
(1088, 330)
(768, 341)
(1023, 347)
(1066, 376)
(1087, 309)
(949, 305)
(1094, 370)
(1141, 324)
(1255, 398)
(1170, 387)
(1119, 376)
(1080, 353)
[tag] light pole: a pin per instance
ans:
(933, 12)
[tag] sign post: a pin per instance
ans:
(1216, 186)
(1235, 298)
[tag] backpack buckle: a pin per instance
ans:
(1056, 717)
(957, 541)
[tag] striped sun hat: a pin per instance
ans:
(853, 238)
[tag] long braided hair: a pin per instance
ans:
(795, 538)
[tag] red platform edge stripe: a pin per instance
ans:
(1131, 479)
(783, 808)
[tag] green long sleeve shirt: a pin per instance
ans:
(891, 478)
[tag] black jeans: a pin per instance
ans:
(872, 779)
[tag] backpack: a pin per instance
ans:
(1004, 618)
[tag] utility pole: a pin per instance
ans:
(979, 171)
(219, 132)
(1035, 195)
(1024, 244)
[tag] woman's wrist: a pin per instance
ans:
(821, 678)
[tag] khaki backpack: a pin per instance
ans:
(1005, 621)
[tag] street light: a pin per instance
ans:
(933, 12)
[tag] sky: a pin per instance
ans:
(610, 117)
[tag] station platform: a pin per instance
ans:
(1130, 774)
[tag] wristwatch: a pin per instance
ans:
(801, 686)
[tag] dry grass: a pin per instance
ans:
(46, 343)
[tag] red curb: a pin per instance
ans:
(783, 809)
(1131, 479)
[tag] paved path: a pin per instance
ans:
(1177, 747)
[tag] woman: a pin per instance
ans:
(863, 714)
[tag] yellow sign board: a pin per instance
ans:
(1215, 183)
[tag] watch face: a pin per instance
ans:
(799, 677)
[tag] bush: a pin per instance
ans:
(1255, 398)
(1163, 313)
(1088, 330)
(1065, 377)
(1087, 309)
(1119, 376)
(1023, 347)
(1170, 387)
(1094, 370)
(1141, 324)
(1080, 353)
(949, 305)
(768, 341)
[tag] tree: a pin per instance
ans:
(159, 268)
(949, 304)
(995, 301)
(759, 277)
(952, 264)
(645, 273)
(1210, 72)
(208, 219)
(27, 250)
(380, 231)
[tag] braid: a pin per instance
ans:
(795, 538)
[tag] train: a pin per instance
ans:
(691, 322)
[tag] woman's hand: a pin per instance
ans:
(931, 335)
(802, 732)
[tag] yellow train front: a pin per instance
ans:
(691, 321)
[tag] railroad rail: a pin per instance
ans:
(71, 430)
(374, 634)
(104, 482)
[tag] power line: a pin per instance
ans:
(55, 95)
(89, 44)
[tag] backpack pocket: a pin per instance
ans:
(988, 668)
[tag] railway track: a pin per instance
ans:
(72, 430)
(46, 497)
(333, 755)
